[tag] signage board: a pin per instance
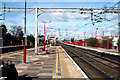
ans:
(24, 35)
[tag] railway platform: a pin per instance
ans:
(102, 50)
(53, 63)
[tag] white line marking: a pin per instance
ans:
(85, 76)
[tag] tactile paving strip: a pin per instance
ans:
(32, 74)
(45, 77)
(33, 69)
(49, 64)
(45, 71)
(47, 67)
(36, 65)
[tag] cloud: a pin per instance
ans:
(62, 16)
(116, 27)
(13, 22)
(67, 16)
(113, 31)
(74, 27)
(50, 26)
(111, 25)
(112, 16)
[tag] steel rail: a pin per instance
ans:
(88, 62)
(101, 57)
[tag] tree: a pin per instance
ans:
(7, 39)
(17, 34)
(64, 40)
(15, 30)
(6, 36)
(80, 41)
(56, 40)
(72, 39)
(20, 37)
(4, 29)
(41, 40)
(30, 39)
(14, 38)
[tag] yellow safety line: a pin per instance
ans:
(56, 63)
(9, 55)
(4, 56)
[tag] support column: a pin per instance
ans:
(24, 55)
(36, 30)
(47, 40)
(84, 38)
(119, 27)
(1, 44)
(44, 35)
(96, 37)
(107, 42)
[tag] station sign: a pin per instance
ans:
(115, 41)
(24, 35)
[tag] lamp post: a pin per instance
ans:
(84, 38)
(104, 33)
(24, 58)
(18, 37)
(44, 35)
(78, 37)
(119, 38)
(47, 40)
(45, 31)
(107, 42)
(96, 37)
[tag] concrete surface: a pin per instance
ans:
(68, 67)
(55, 64)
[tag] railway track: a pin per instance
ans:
(96, 66)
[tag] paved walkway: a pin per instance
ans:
(56, 64)
(40, 66)
(17, 56)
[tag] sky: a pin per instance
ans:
(60, 0)
(74, 24)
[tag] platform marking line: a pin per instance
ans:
(56, 63)
(14, 54)
(5, 56)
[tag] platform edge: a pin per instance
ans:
(76, 65)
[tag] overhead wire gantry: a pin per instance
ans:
(82, 10)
